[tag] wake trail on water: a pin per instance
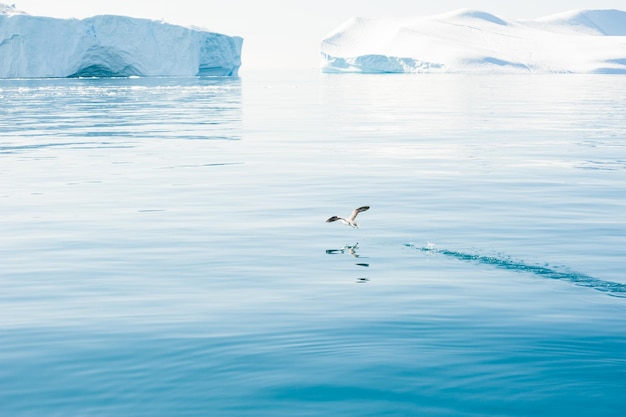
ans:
(614, 289)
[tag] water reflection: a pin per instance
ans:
(352, 251)
(136, 108)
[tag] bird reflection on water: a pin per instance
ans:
(351, 250)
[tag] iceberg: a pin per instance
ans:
(110, 46)
(473, 41)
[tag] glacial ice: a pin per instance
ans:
(472, 41)
(110, 46)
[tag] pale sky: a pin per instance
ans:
(287, 33)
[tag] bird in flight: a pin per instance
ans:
(350, 220)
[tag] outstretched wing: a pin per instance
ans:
(356, 211)
(333, 219)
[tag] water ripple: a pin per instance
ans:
(12, 149)
(614, 289)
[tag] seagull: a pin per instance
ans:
(350, 220)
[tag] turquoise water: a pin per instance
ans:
(165, 252)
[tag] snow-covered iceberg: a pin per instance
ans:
(468, 41)
(110, 46)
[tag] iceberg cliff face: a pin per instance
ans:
(468, 41)
(110, 46)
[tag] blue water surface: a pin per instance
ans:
(164, 249)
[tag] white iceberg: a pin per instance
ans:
(469, 41)
(110, 46)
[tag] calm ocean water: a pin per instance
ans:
(165, 253)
